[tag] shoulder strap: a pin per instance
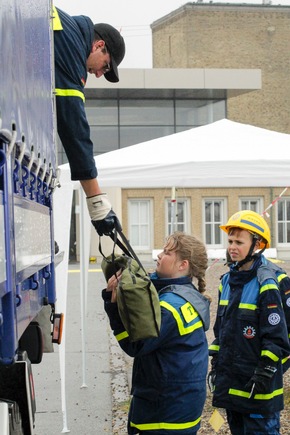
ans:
(265, 272)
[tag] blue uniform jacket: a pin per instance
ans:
(283, 280)
(72, 45)
(169, 372)
(250, 326)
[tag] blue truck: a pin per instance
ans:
(28, 177)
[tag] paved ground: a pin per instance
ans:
(89, 410)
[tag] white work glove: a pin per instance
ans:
(99, 206)
(102, 216)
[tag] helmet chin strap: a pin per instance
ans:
(250, 256)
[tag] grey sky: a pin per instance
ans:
(133, 18)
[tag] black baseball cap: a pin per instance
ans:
(115, 45)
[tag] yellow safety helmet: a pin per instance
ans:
(251, 221)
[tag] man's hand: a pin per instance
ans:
(106, 226)
(102, 216)
(260, 382)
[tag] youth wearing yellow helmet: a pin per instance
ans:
(251, 343)
(251, 221)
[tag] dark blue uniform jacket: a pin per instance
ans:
(250, 328)
(72, 46)
(169, 372)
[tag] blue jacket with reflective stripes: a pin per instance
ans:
(250, 328)
(284, 286)
(73, 38)
(169, 372)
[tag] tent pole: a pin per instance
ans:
(173, 210)
(83, 283)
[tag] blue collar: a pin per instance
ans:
(160, 283)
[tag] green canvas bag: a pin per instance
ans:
(137, 297)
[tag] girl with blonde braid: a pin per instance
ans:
(169, 372)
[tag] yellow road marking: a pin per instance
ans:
(78, 270)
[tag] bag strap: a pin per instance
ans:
(116, 241)
(125, 244)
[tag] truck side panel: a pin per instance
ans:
(27, 76)
(28, 168)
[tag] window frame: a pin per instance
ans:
(223, 202)
(186, 223)
(259, 200)
(281, 244)
(143, 248)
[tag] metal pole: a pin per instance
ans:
(173, 210)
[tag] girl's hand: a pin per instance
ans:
(113, 284)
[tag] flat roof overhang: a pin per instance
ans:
(184, 83)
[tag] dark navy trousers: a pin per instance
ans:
(253, 424)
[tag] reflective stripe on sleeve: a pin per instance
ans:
(214, 347)
(69, 93)
(122, 335)
(267, 287)
(270, 355)
(248, 306)
(247, 395)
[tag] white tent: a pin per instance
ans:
(221, 154)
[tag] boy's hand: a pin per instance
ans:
(212, 374)
(211, 380)
(260, 382)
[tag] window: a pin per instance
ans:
(132, 135)
(146, 112)
(213, 211)
(140, 224)
(104, 138)
(283, 221)
(177, 216)
(102, 112)
(199, 112)
(254, 204)
(118, 121)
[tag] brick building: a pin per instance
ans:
(215, 35)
